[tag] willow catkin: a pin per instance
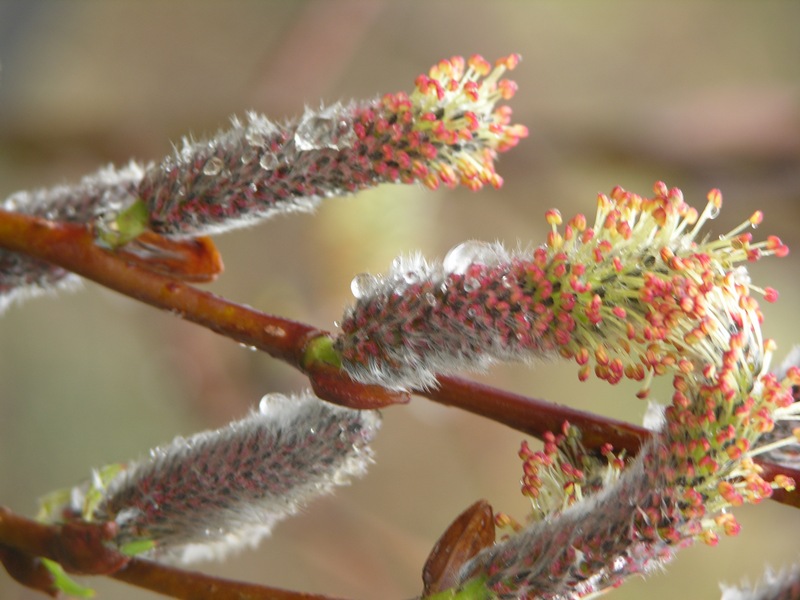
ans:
(200, 496)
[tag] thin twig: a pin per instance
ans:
(28, 571)
(534, 417)
(537, 417)
(192, 585)
(80, 548)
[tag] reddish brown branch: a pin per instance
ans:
(532, 416)
(82, 548)
(191, 585)
(78, 547)
(28, 570)
(537, 417)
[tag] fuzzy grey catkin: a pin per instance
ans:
(105, 192)
(201, 496)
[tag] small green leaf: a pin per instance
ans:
(100, 479)
(128, 225)
(64, 583)
(321, 349)
(474, 589)
(137, 547)
(51, 505)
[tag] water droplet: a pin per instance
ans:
(471, 284)
(256, 138)
(267, 401)
(248, 347)
(259, 130)
(364, 285)
(269, 161)
(249, 155)
(459, 259)
(507, 281)
(213, 166)
(324, 129)
(430, 299)
(10, 204)
(340, 478)
(713, 212)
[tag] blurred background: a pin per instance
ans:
(699, 94)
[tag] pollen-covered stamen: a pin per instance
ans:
(458, 115)
(753, 222)
(711, 211)
(793, 440)
(564, 473)
(740, 244)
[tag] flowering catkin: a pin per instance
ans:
(635, 295)
(201, 496)
(448, 130)
(626, 296)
